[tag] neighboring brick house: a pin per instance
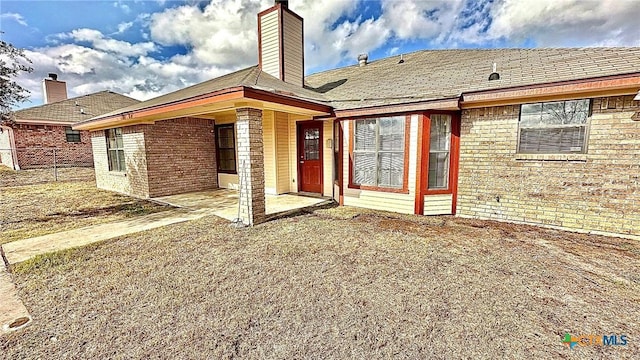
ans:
(38, 131)
(541, 136)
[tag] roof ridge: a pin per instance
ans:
(73, 98)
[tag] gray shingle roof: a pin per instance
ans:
(437, 74)
(66, 111)
(251, 77)
(424, 75)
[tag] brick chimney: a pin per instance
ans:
(280, 43)
(53, 90)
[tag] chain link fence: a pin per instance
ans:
(59, 163)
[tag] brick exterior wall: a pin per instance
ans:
(169, 157)
(181, 156)
(251, 165)
(597, 191)
(134, 181)
(35, 143)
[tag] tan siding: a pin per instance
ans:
(270, 40)
(228, 181)
(293, 49)
(327, 160)
(379, 200)
(282, 152)
(438, 204)
(293, 155)
(268, 134)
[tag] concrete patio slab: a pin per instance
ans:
(224, 202)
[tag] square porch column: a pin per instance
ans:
(250, 165)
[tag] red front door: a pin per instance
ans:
(310, 156)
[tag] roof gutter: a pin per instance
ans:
(616, 85)
(440, 104)
(44, 122)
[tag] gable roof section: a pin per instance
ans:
(430, 75)
(251, 77)
(66, 112)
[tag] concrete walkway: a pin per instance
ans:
(14, 315)
(22, 250)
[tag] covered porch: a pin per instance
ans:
(224, 203)
(252, 141)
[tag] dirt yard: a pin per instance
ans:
(334, 284)
(32, 204)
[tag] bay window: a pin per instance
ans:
(379, 152)
(439, 151)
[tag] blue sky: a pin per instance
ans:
(146, 48)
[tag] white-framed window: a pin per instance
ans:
(378, 152)
(439, 151)
(115, 150)
(558, 127)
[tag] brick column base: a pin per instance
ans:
(250, 165)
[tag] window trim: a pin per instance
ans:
(235, 149)
(587, 126)
(405, 177)
(122, 168)
(67, 132)
(454, 153)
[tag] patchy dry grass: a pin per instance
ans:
(10, 178)
(334, 284)
(40, 208)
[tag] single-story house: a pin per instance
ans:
(540, 136)
(29, 141)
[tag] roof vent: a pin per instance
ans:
(362, 59)
(401, 59)
(53, 76)
(494, 75)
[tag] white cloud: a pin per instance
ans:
(100, 42)
(122, 6)
(568, 23)
(15, 17)
(122, 27)
(221, 36)
(222, 33)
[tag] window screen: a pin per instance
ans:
(439, 151)
(115, 150)
(378, 152)
(553, 127)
